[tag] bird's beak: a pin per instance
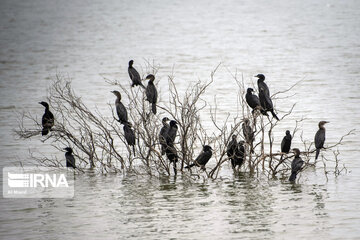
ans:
(39, 102)
(256, 76)
(327, 122)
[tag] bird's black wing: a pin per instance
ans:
(263, 86)
(151, 93)
(121, 112)
(163, 133)
(320, 138)
(231, 148)
(47, 120)
(70, 160)
(252, 100)
(203, 158)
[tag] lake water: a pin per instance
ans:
(317, 41)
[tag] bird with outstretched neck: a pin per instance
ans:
(253, 101)
(134, 75)
(163, 133)
(296, 165)
(203, 158)
(120, 108)
(264, 96)
(248, 134)
(151, 92)
(70, 160)
(320, 138)
(129, 135)
(47, 120)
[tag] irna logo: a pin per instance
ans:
(33, 180)
(38, 182)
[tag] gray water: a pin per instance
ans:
(317, 41)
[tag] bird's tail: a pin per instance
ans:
(142, 85)
(134, 149)
(44, 131)
(274, 115)
(317, 153)
(153, 108)
(233, 163)
(292, 177)
(190, 166)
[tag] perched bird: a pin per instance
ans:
(203, 158)
(70, 160)
(320, 138)
(47, 120)
(162, 134)
(264, 95)
(238, 158)
(286, 142)
(248, 133)
(262, 85)
(129, 135)
(120, 108)
(296, 165)
(253, 101)
(134, 75)
(171, 134)
(230, 150)
(266, 103)
(151, 92)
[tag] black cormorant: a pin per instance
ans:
(203, 157)
(47, 119)
(266, 103)
(286, 142)
(253, 101)
(151, 92)
(248, 133)
(171, 134)
(238, 158)
(120, 108)
(264, 95)
(296, 165)
(134, 75)
(262, 85)
(70, 160)
(162, 135)
(129, 135)
(232, 145)
(320, 138)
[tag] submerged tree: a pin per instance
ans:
(100, 142)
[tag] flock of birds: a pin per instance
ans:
(235, 150)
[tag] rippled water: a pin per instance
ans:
(317, 41)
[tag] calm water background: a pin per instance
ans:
(317, 41)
